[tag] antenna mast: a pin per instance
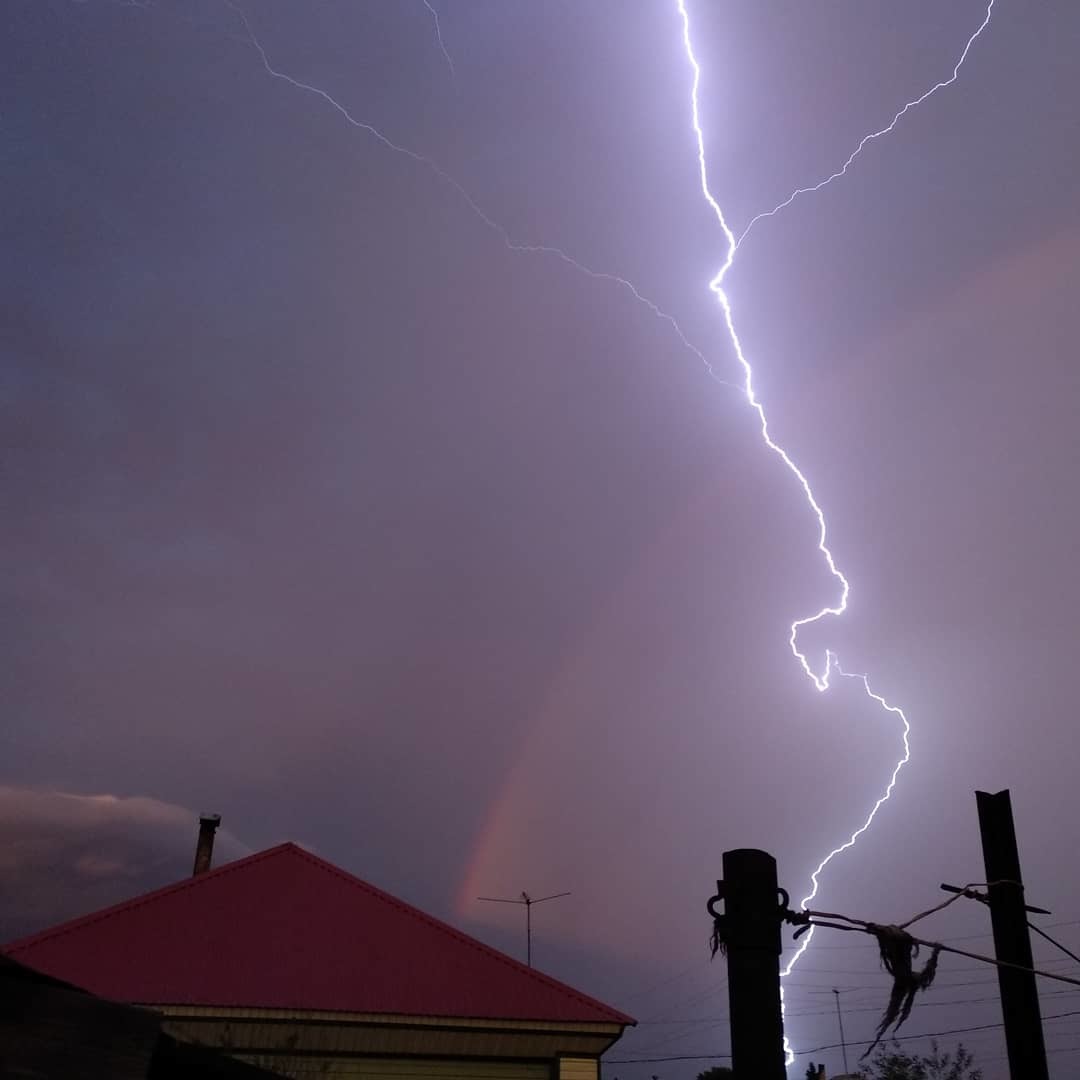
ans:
(527, 901)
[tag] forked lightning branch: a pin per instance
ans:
(819, 677)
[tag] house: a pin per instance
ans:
(50, 1030)
(287, 962)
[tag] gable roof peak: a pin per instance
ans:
(285, 928)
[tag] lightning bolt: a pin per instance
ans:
(820, 679)
(444, 177)
(439, 38)
(867, 139)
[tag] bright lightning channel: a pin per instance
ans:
(510, 243)
(439, 38)
(820, 679)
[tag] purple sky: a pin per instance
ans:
(326, 510)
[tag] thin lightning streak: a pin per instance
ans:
(819, 679)
(822, 680)
(510, 243)
(850, 842)
(439, 38)
(867, 139)
(717, 286)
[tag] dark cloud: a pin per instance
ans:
(63, 855)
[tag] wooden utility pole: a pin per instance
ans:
(1012, 943)
(840, 1021)
(751, 936)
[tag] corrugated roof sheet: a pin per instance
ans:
(286, 929)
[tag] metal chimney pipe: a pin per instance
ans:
(204, 851)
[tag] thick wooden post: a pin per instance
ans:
(752, 933)
(1012, 943)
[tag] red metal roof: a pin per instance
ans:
(284, 929)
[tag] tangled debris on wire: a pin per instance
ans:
(897, 947)
(718, 937)
(898, 951)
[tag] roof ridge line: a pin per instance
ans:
(466, 939)
(136, 902)
(57, 935)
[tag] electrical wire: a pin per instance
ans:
(834, 1046)
(963, 937)
(815, 918)
(793, 1014)
(811, 988)
(1057, 944)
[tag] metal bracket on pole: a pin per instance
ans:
(974, 894)
(748, 933)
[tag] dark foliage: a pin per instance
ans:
(895, 1065)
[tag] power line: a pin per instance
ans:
(797, 1014)
(836, 1046)
(698, 996)
(811, 988)
(1057, 944)
(807, 918)
(817, 988)
(793, 1014)
(963, 937)
(870, 971)
(869, 945)
(694, 999)
(701, 964)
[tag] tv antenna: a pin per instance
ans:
(528, 902)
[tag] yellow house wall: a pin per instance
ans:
(339, 1046)
(303, 1068)
(578, 1068)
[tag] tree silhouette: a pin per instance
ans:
(717, 1072)
(896, 1065)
